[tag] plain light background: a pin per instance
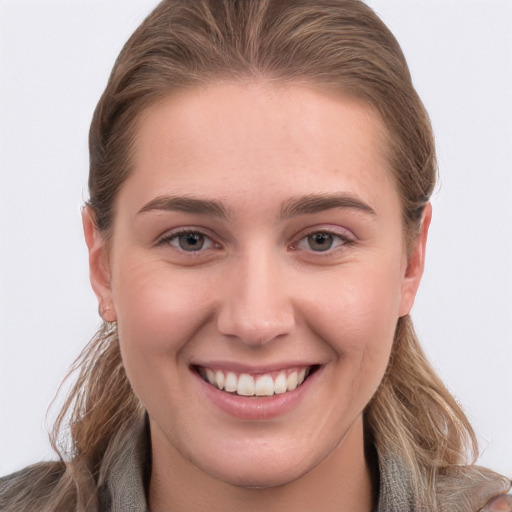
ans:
(55, 57)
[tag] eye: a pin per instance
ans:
(322, 241)
(188, 241)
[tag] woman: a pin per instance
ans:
(258, 214)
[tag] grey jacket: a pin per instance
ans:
(124, 490)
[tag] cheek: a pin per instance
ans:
(357, 317)
(158, 310)
(360, 307)
(158, 313)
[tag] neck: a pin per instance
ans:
(341, 482)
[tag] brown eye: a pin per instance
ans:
(320, 241)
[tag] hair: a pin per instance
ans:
(341, 45)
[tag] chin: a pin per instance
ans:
(252, 480)
(259, 474)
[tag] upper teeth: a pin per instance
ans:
(264, 384)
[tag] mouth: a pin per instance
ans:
(256, 384)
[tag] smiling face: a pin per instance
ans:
(257, 270)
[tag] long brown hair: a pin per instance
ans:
(335, 44)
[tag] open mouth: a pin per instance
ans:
(257, 385)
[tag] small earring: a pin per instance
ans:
(104, 311)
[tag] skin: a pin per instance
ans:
(259, 293)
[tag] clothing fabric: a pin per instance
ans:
(125, 491)
(125, 488)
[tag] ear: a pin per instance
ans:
(99, 265)
(415, 264)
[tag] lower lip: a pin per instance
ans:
(256, 408)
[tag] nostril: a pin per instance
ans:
(256, 332)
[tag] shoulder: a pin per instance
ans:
(31, 488)
(475, 488)
(499, 503)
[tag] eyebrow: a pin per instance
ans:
(315, 203)
(302, 205)
(188, 205)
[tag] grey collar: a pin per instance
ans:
(124, 490)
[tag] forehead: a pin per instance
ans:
(253, 139)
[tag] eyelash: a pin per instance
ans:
(168, 239)
(343, 240)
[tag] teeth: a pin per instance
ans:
(280, 384)
(292, 381)
(210, 375)
(230, 384)
(258, 385)
(264, 386)
(219, 379)
(245, 385)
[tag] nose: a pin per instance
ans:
(256, 308)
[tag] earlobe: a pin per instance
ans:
(99, 266)
(415, 264)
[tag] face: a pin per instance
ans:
(257, 270)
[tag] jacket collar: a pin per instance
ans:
(126, 483)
